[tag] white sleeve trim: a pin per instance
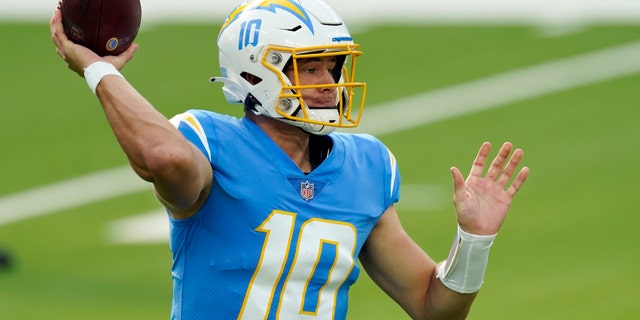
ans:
(190, 120)
(392, 164)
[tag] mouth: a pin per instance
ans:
(322, 106)
(321, 103)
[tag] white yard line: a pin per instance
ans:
(399, 115)
(69, 194)
(501, 89)
(143, 228)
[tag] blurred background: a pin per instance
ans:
(81, 237)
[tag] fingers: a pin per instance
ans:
(481, 158)
(508, 171)
(76, 56)
(57, 33)
(518, 182)
(53, 26)
(498, 163)
(500, 169)
(502, 176)
(122, 59)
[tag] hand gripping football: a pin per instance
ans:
(108, 27)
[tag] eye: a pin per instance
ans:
(309, 70)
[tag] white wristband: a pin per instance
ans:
(464, 269)
(94, 73)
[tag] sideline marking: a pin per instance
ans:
(446, 103)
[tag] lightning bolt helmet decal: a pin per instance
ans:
(292, 7)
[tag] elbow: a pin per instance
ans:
(164, 163)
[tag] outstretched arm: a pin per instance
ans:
(405, 272)
(157, 151)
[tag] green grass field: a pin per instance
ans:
(567, 250)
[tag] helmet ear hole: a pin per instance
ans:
(251, 78)
(250, 103)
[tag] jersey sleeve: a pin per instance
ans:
(192, 129)
(392, 177)
(383, 162)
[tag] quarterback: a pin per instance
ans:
(273, 214)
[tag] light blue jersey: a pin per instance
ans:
(271, 242)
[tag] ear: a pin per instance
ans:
(251, 78)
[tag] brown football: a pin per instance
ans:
(108, 27)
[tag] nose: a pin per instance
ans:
(327, 78)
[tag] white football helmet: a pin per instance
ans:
(261, 37)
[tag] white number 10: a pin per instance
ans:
(314, 234)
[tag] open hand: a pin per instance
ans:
(482, 202)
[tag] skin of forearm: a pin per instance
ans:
(443, 303)
(152, 144)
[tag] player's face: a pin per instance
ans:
(316, 71)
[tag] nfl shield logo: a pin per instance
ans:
(306, 190)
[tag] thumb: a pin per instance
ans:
(121, 60)
(458, 181)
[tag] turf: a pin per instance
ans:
(567, 250)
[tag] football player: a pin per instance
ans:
(270, 212)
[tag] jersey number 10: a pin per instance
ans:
(314, 235)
